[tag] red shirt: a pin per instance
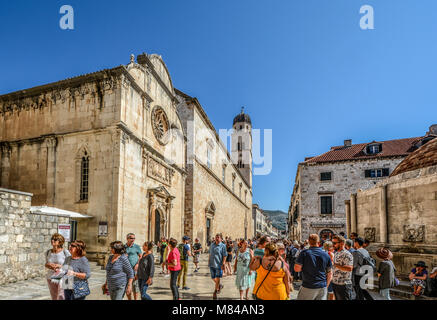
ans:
(174, 255)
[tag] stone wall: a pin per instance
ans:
(24, 237)
(347, 177)
(400, 212)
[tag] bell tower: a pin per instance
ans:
(241, 145)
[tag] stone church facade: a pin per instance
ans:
(223, 183)
(323, 184)
(109, 144)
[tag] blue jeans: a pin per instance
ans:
(117, 293)
(143, 289)
(173, 286)
(385, 293)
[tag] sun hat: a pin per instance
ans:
(384, 253)
(421, 264)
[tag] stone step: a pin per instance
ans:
(404, 291)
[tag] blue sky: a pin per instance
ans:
(302, 68)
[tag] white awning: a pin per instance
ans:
(58, 212)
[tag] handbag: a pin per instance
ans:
(255, 294)
(80, 289)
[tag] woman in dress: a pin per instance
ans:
(244, 277)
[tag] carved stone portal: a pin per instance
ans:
(370, 234)
(414, 233)
(160, 205)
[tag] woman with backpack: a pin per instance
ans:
(55, 258)
(386, 272)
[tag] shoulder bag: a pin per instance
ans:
(80, 287)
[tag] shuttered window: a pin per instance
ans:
(325, 176)
(377, 173)
(326, 205)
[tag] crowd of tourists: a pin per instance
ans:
(333, 268)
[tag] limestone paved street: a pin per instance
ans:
(200, 284)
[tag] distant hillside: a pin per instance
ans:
(278, 217)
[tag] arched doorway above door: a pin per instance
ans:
(209, 215)
(160, 204)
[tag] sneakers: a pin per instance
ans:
(185, 288)
(196, 270)
(167, 276)
(178, 287)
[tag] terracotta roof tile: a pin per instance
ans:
(390, 148)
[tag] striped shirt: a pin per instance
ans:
(118, 273)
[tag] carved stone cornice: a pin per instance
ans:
(94, 84)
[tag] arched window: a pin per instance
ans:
(84, 177)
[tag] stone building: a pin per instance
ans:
(258, 220)
(400, 211)
(24, 236)
(112, 145)
(323, 183)
(218, 193)
(263, 224)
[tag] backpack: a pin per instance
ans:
(368, 261)
(182, 251)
